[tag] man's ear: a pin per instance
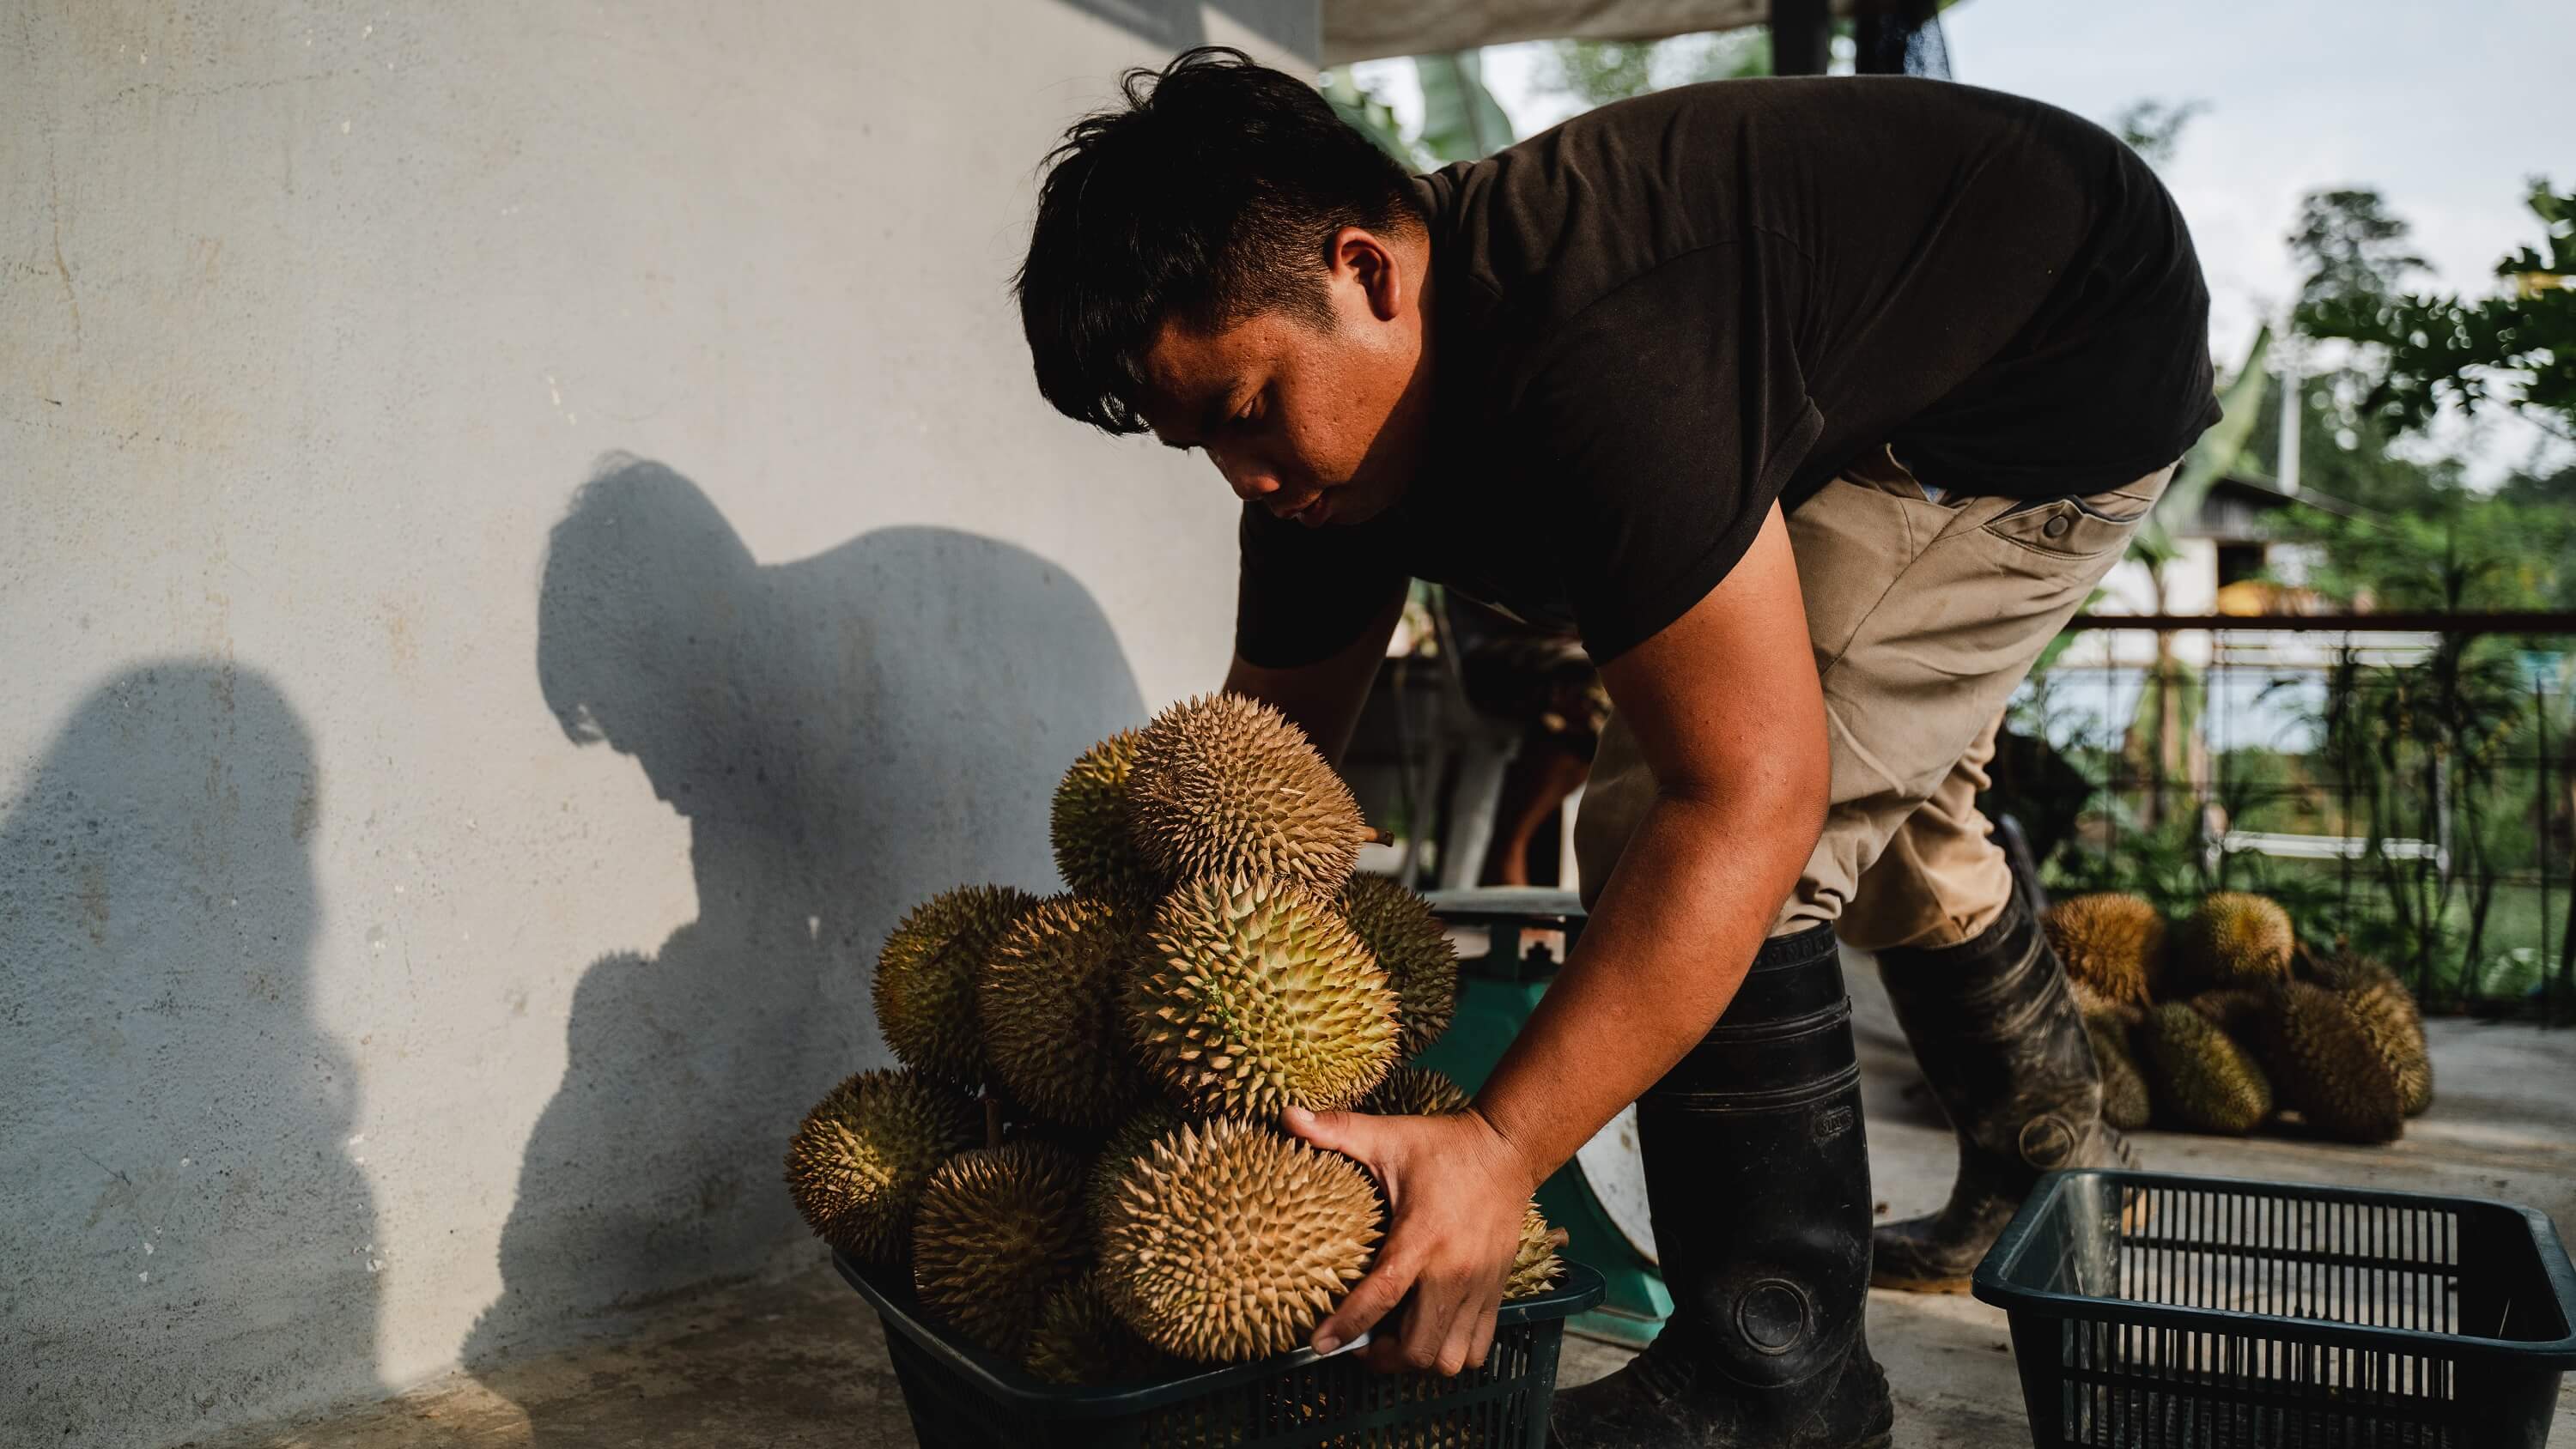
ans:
(1366, 258)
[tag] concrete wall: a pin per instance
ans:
(525, 540)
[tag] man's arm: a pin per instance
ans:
(1725, 706)
(1323, 698)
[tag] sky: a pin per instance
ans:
(2446, 106)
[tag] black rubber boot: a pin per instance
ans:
(1758, 1175)
(2002, 1045)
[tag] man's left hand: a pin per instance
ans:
(1456, 1189)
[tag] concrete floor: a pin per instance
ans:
(799, 1361)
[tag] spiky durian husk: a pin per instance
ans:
(1092, 827)
(1080, 1339)
(2112, 943)
(2387, 1011)
(2093, 1006)
(2235, 939)
(1535, 1266)
(928, 973)
(2330, 1069)
(2239, 1011)
(1227, 1242)
(1399, 929)
(1411, 1091)
(1251, 996)
(1133, 1140)
(1049, 1000)
(998, 1229)
(1223, 785)
(858, 1161)
(2125, 1102)
(2202, 1079)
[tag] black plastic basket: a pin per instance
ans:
(964, 1398)
(2153, 1311)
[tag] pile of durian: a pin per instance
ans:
(2224, 1022)
(1080, 1161)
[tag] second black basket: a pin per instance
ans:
(2155, 1311)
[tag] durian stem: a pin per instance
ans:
(992, 1121)
(1558, 1237)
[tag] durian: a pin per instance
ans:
(1228, 1242)
(1080, 1339)
(2201, 1077)
(998, 1230)
(2330, 1069)
(2094, 1006)
(1411, 1091)
(1535, 1266)
(1224, 785)
(1049, 1001)
(2387, 1012)
(1133, 1140)
(2111, 942)
(2235, 939)
(1398, 928)
(928, 973)
(1093, 829)
(2239, 1011)
(2124, 1091)
(858, 1161)
(1251, 996)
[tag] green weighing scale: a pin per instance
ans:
(1599, 1198)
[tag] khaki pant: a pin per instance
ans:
(1924, 615)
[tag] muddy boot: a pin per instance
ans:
(1758, 1177)
(2002, 1045)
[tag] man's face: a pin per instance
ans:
(1321, 424)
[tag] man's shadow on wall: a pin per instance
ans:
(846, 734)
(185, 1238)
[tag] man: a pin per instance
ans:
(1816, 407)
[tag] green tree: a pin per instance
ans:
(1597, 72)
(2515, 350)
(2153, 128)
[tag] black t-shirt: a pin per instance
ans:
(1656, 319)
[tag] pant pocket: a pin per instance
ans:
(2080, 526)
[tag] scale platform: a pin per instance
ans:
(1600, 1197)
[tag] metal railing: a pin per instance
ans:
(2405, 784)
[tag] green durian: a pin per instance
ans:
(1049, 1001)
(1228, 1242)
(2330, 1069)
(1092, 827)
(1410, 1091)
(1411, 948)
(1134, 1139)
(1226, 786)
(2112, 943)
(2201, 1078)
(858, 1162)
(2239, 1011)
(928, 975)
(1252, 996)
(1080, 1339)
(2125, 1103)
(1535, 1266)
(999, 1229)
(2387, 1012)
(2235, 939)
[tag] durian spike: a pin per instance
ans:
(1224, 784)
(1253, 996)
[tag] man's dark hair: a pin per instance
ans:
(1212, 195)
